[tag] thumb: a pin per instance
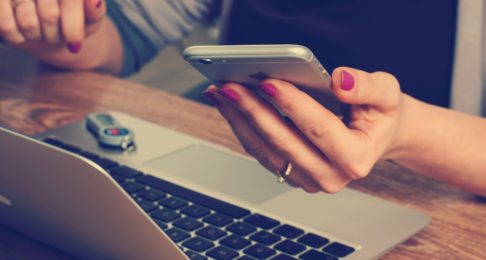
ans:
(356, 87)
(94, 10)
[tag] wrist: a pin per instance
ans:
(406, 132)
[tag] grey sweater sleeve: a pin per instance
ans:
(146, 26)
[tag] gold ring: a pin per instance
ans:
(281, 175)
(16, 3)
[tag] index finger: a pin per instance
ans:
(72, 22)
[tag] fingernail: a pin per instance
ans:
(74, 47)
(269, 89)
(229, 94)
(347, 81)
(211, 97)
(98, 5)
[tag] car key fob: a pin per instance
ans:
(110, 132)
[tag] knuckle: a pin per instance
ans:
(287, 106)
(316, 130)
(386, 78)
(354, 170)
(28, 24)
(328, 187)
(51, 16)
(390, 82)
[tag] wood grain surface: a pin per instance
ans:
(35, 99)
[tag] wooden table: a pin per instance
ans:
(33, 100)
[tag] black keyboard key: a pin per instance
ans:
(241, 228)
(188, 224)
(313, 240)
(132, 187)
(259, 251)
(263, 237)
(151, 195)
(71, 148)
(195, 256)
(161, 224)
(197, 198)
(125, 172)
(222, 253)
(290, 247)
(147, 206)
(105, 163)
(165, 215)
(53, 141)
(283, 257)
(338, 249)
(173, 203)
(119, 179)
(262, 221)
(89, 155)
(198, 244)
(245, 257)
(211, 233)
(316, 255)
(288, 231)
(195, 211)
(235, 242)
(218, 220)
(177, 235)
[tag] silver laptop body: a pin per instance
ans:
(71, 203)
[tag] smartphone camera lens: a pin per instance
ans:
(206, 61)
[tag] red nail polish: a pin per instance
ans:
(98, 5)
(347, 81)
(74, 47)
(229, 94)
(269, 89)
(211, 97)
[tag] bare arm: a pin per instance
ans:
(443, 144)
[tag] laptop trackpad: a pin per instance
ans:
(219, 170)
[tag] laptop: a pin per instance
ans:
(177, 197)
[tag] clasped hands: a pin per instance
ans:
(41, 24)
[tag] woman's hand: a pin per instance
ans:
(35, 25)
(327, 152)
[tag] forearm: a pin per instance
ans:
(443, 144)
(100, 51)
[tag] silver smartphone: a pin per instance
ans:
(249, 64)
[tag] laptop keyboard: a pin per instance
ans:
(208, 228)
